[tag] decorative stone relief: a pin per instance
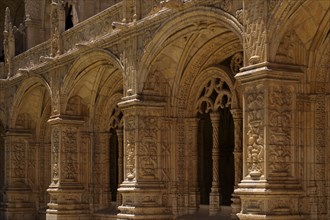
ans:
(57, 17)
(18, 160)
(252, 206)
(55, 151)
(69, 138)
(130, 160)
(116, 118)
(236, 63)
(280, 123)
(254, 37)
(291, 50)
(255, 140)
(148, 159)
(8, 43)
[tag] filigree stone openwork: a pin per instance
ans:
(215, 95)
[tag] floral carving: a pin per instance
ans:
(130, 160)
(55, 151)
(18, 160)
(70, 150)
(255, 149)
(280, 123)
(148, 159)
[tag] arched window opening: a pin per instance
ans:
(216, 166)
(115, 154)
(204, 157)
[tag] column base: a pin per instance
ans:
(193, 202)
(67, 203)
(268, 217)
(214, 203)
(18, 213)
(235, 206)
(143, 201)
(19, 204)
(269, 200)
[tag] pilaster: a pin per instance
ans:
(18, 197)
(269, 188)
(142, 190)
(67, 194)
(237, 115)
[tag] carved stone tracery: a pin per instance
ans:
(216, 94)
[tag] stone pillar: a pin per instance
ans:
(142, 190)
(238, 159)
(193, 167)
(57, 17)
(8, 44)
(120, 137)
(215, 197)
(18, 198)
(67, 195)
(270, 188)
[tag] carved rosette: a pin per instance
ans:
(255, 129)
(280, 125)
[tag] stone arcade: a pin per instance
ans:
(150, 109)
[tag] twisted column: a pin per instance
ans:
(215, 197)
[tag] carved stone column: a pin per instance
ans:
(67, 200)
(215, 197)
(238, 131)
(120, 137)
(57, 17)
(270, 188)
(193, 166)
(142, 190)
(18, 196)
(8, 44)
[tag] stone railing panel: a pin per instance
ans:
(90, 29)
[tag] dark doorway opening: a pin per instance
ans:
(205, 158)
(226, 163)
(113, 171)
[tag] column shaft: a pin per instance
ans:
(119, 132)
(215, 197)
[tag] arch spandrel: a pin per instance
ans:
(185, 22)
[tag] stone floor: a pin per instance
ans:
(203, 214)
